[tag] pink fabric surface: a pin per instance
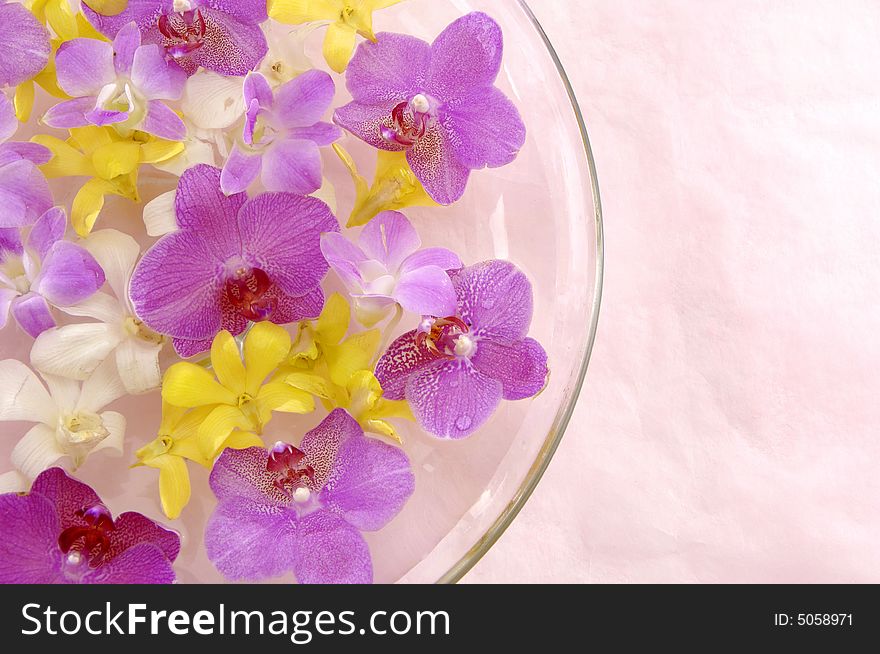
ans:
(728, 428)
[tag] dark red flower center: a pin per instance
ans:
(91, 540)
(287, 462)
(184, 32)
(409, 122)
(248, 293)
(441, 335)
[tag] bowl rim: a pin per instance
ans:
(554, 437)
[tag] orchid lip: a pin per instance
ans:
(409, 121)
(293, 476)
(89, 542)
(184, 31)
(247, 290)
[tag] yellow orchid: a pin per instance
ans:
(395, 187)
(347, 19)
(235, 389)
(319, 345)
(176, 442)
(337, 371)
(67, 24)
(112, 162)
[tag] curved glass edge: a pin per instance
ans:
(479, 549)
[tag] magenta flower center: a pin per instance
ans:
(449, 337)
(294, 478)
(90, 542)
(184, 32)
(409, 121)
(247, 291)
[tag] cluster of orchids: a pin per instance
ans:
(221, 307)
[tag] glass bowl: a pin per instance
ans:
(542, 212)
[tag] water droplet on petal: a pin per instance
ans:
(463, 422)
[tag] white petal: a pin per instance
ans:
(14, 482)
(212, 101)
(36, 451)
(101, 306)
(117, 254)
(65, 392)
(101, 388)
(287, 57)
(74, 351)
(196, 151)
(138, 365)
(114, 423)
(327, 193)
(159, 216)
(22, 396)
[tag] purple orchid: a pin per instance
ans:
(302, 510)
(233, 260)
(24, 192)
(119, 83)
(438, 102)
(455, 370)
(61, 533)
(219, 35)
(389, 268)
(281, 136)
(24, 48)
(43, 270)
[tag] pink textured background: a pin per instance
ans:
(728, 428)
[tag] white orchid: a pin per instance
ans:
(75, 351)
(70, 421)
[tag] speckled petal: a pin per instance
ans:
(520, 366)
(391, 70)
(466, 55)
(29, 552)
(133, 528)
(66, 494)
(452, 399)
(400, 361)
(242, 474)
(230, 47)
(494, 298)
(145, 13)
(365, 121)
(434, 162)
(486, 129)
(201, 205)
(142, 564)
(331, 551)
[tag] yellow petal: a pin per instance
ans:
(392, 409)
(339, 45)
(355, 353)
(174, 487)
(90, 138)
(188, 448)
(159, 150)
(361, 187)
(153, 450)
(241, 440)
(66, 160)
(115, 159)
(381, 427)
(171, 415)
(61, 18)
(218, 425)
(108, 7)
(294, 12)
(189, 385)
(265, 347)
(310, 382)
(395, 187)
(87, 205)
(226, 362)
(279, 396)
(24, 101)
(304, 349)
(334, 319)
(86, 30)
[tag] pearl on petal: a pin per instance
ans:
(301, 495)
(420, 104)
(74, 558)
(465, 346)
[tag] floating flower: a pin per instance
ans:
(44, 270)
(348, 18)
(123, 84)
(395, 187)
(436, 102)
(322, 346)
(233, 260)
(281, 136)
(61, 533)
(388, 268)
(177, 443)
(70, 421)
(220, 35)
(74, 351)
(237, 391)
(336, 369)
(455, 370)
(24, 48)
(110, 160)
(302, 510)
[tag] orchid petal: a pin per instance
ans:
(37, 450)
(213, 101)
(189, 385)
(265, 347)
(117, 254)
(226, 363)
(138, 365)
(32, 314)
(24, 49)
(389, 238)
(163, 122)
(48, 229)
(339, 45)
(292, 165)
(521, 366)
(101, 388)
(401, 360)
(84, 67)
(465, 56)
(240, 170)
(331, 551)
(69, 274)
(74, 351)
(23, 396)
(159, 216)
